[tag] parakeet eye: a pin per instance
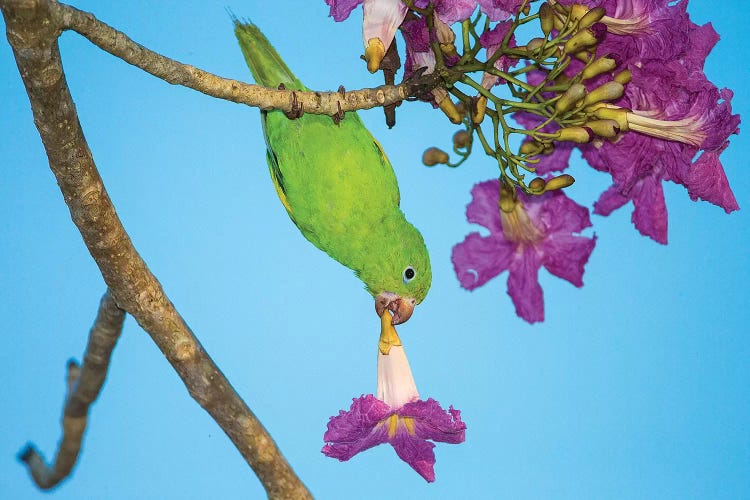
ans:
(409, 274)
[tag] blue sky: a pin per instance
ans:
(635, 386)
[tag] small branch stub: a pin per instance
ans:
(83, 386)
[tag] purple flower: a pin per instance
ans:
(418, 51)
(340, 9)
(538, 231)
(492, 40)
(650, 210)
(644, 30)
(661, 30)
(676, 114)
(397, 416)
(370, 422)
(499, 10)
(451, 11)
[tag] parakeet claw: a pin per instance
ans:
(401, 307)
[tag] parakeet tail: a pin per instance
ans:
(265, 64)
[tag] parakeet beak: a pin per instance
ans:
(401, 307)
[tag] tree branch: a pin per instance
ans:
(32, 32)
(64, 17)
(84, 384)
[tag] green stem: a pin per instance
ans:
(485, 145)
(510, 78)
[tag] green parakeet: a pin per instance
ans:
(340, 190)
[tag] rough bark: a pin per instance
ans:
(33, 28)
(65, 17)
(84, 382)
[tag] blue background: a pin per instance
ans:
(635, 386)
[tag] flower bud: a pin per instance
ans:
(445, 103)
(461, 108)
(559, 182)
(585, 39)
(623, 77)
(596, 68)
(450, 110)
(448, 49)
(585, 55)
(479, 108)
(507, 201)
(591, 17)
(446, 38)
(604, 128)
(461, 139)
(562, 79)
(546, 18)
(534, 44)
(537, 185)
(570, 98)
(531, 148)
(609, 91)
(434, 156)
(580, 135)
(617, 114)
(578, 11)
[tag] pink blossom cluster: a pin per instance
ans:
(679, 124)
(682, 120)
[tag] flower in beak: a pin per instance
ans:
(396, 416)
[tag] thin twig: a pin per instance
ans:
(84, 383)
(32, 33)
(65, 17)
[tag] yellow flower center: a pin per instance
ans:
(393, 422)
(518, 227)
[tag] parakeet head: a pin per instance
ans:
(397, 272)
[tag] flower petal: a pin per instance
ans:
(650, 213)
(432, 422)
(565, 256)
(396, 385)
(499, 10)
(560, 214)
(356, 430)
(451, 11)
(340, 9)
(523, 285)
(416, 452)
(478, 259)
(610, 200)
(706, 180)
(483, 208)
(417, 40)
(381, 20)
